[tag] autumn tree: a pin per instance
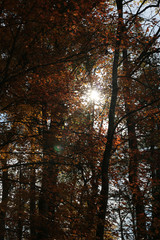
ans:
(33, 47)
(72, 168)
(138, 58)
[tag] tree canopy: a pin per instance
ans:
(79, 120)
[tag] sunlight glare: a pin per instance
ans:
(94, 95)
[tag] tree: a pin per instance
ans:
(74, 168)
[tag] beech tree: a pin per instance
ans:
(73, 167)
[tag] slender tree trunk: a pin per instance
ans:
(47, 203)
(49, 179)
(121, 222)
(43, 231)
(137, 197)
(5, 192)
(20, 225)
(155, 169)
(93, 197)
(32, 205)
(110, 134)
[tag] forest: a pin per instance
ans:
(79, 119)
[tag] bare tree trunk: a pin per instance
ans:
(49, 179)
(32, 205)
(5, 192)
(47, 203)
(137, 196)
(110, 134)
(154, 231)
(43, 230)
(121, 218)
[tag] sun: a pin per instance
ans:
(93, 95)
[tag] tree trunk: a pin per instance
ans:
(154, 231)
(137, 197)
(48, 189)
(5, 192)
(110, 134)
(32, 205)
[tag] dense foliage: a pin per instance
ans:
(79, 120)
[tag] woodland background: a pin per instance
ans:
(71, 166)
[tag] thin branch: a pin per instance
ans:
(136, 110)
(150, 6)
